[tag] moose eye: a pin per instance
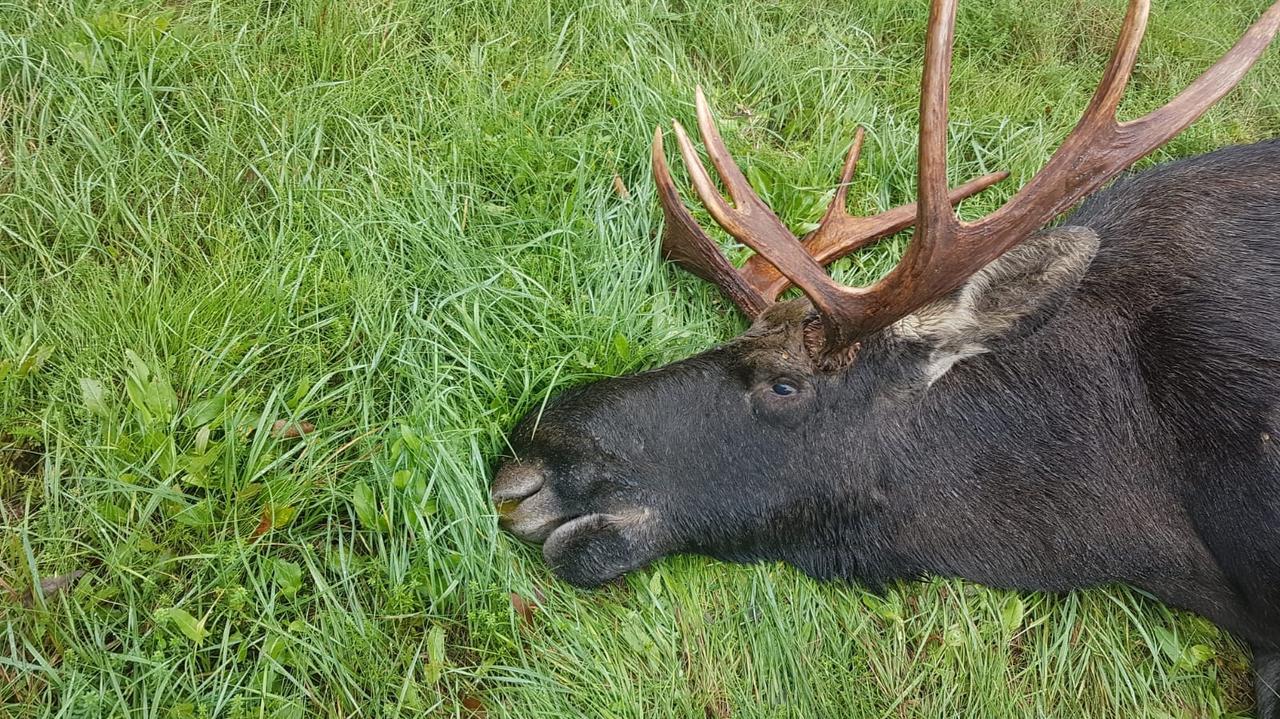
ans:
(782, 389)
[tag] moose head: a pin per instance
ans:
(796, 440)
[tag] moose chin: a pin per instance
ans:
(1022, 403)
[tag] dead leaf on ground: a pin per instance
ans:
(284, 429)
(264, 524)
(51, 587)
(620, 188)
(523, 607)
(474, 706)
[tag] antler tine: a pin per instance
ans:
(734, 181)
(934, 218)
(759, 283)
(934, 238)
(1215, 82)
(840, 234)
(1106, 99)
(839, 207)
(935, 235)
(720, 210)
(684, 242)
(1095, 132)
(753, 223)
(1096, 151)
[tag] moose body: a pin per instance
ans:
(1099, 403)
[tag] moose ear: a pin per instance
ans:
(1011, 297)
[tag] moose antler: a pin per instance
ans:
(758, 284)
(944, 251)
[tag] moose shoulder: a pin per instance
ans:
(1029, 408)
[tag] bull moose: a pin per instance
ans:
(1024, 404)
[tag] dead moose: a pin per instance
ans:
(1029, 407)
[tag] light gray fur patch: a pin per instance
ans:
(940, 361)
(1012, 296)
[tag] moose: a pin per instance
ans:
(1022, 403)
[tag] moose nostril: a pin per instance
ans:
(515, 482)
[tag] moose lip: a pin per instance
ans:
(567, 527)
(543, 532)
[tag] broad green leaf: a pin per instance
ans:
(1195, 655)
(168, 456)
(95, 397)
(190, 627)
(163, 400)
(366, 506)
(281, 516)
(149, 392)
(762, 180)
(202, 439)
(435, 655)
(34, 360)
(1011, 613)
(276, 647)
(885, 609)
(1168, 642)
(620, 345)
(288, 576)
(953, 636)
(110, 24)
(113, 513)
(418, 491)
(655, 584)
(137, 395)
(138, 369)
(205, 411)
(410, 438)
(249, 491)
(299, 393)
(198, 515)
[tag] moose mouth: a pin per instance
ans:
(541, 531)
(577, 549)
(585, 549)
(571, 529)
(528, 509)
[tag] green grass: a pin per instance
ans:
(396, 220)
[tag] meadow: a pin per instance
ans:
(276, 276)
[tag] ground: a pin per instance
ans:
(276, 276)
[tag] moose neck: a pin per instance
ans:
(980, 478)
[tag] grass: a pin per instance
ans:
(395, 220)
